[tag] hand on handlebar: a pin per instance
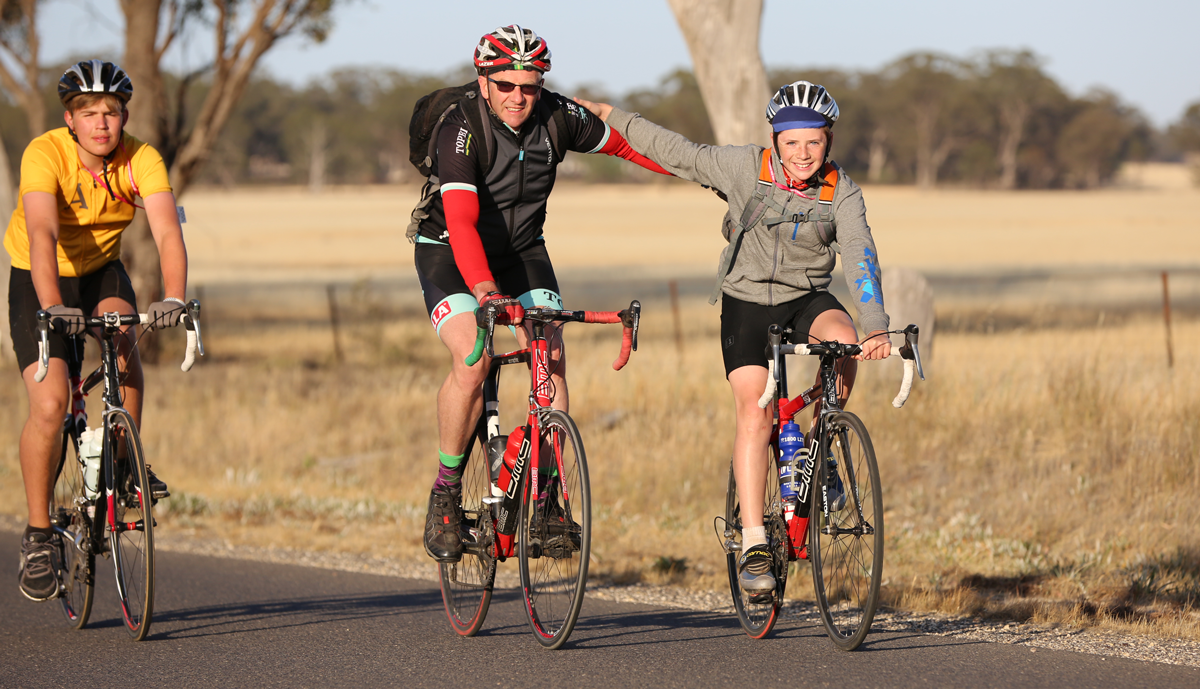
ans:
(66, 320)
(508, 310)
(875, 346)
(165, 314)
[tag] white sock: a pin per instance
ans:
(752, 536)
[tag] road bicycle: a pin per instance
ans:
(103, 511)
(527, 493)
(839, 530)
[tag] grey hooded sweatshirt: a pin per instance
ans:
(781, 256)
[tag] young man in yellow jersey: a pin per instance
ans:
(79, 186)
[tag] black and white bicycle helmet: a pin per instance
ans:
(94, 76)
(511, 47)
(804, 94)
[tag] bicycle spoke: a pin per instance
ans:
(555, 533)
(846, 546)
(467, 584)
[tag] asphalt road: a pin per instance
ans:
(238, 623)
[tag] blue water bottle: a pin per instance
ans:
(791, 441)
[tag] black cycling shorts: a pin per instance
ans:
(526, 275)
(84, 293)
(744, 325)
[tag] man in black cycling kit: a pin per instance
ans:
(482, 241)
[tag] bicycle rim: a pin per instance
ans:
(467, 584)
(554, 553)
(69, 517)
(846, 547)
(132, 539)
(758, 614)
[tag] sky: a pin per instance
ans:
(1146, 52)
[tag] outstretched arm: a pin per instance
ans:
(619, 147)
(714, 166)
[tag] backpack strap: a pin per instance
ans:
(481, 127)
(826, 227)
(754, 210)
(476, 122)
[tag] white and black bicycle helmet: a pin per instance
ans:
(94, 76)
(804, 94)
(511, 47)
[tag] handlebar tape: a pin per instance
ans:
(601, 317)
(626, 347)
(477, 353)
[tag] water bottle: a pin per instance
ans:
(495, 458)
(791, 441)
(91, 442)
(512, 469)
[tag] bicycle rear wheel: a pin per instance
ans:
(467, 584)
(758, 613)
(556, 533)
(132, 534)
(846, 546)
(68, 516)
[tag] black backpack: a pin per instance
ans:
(431, 111)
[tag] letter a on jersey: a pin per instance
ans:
(79, 198)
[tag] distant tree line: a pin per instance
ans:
(994, 121)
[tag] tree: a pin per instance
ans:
(722, 37)
(929, 88)
(19, 43)
(1016, 88)
(1186, 132)
(242, 32)
(1096, 140)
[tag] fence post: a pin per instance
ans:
(1167, 320)
(674, 287)
(333, 322)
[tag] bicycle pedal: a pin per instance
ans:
(766, 598)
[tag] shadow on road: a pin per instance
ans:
(239, 618)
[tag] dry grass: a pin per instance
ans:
(673, 229)
(1046, 475)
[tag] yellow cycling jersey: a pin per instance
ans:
(90, 220)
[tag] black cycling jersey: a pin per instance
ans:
(513, 195)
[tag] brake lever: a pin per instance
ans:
(910, 351)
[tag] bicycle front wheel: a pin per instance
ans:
(131, 534)
(467, 584)
(69, 517)
(846, 544)
(556, 532)
(758, 612)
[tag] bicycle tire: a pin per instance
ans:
(69, 517)
(554, 562)
(131, 531)
(846, 546)
(758, 617)
(467, 584)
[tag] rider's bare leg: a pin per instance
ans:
(41, 437)
(750, 440)
(835, 325)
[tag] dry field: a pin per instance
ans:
(1044, 473)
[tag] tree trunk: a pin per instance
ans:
(148, 122)
(877, 155)
(316, 161)
(926, 123)
(722, 37)
(7, 205)
(1013, 116)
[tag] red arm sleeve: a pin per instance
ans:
(619, 147)
(462, 216)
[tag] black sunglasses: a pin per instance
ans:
(508, 86)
